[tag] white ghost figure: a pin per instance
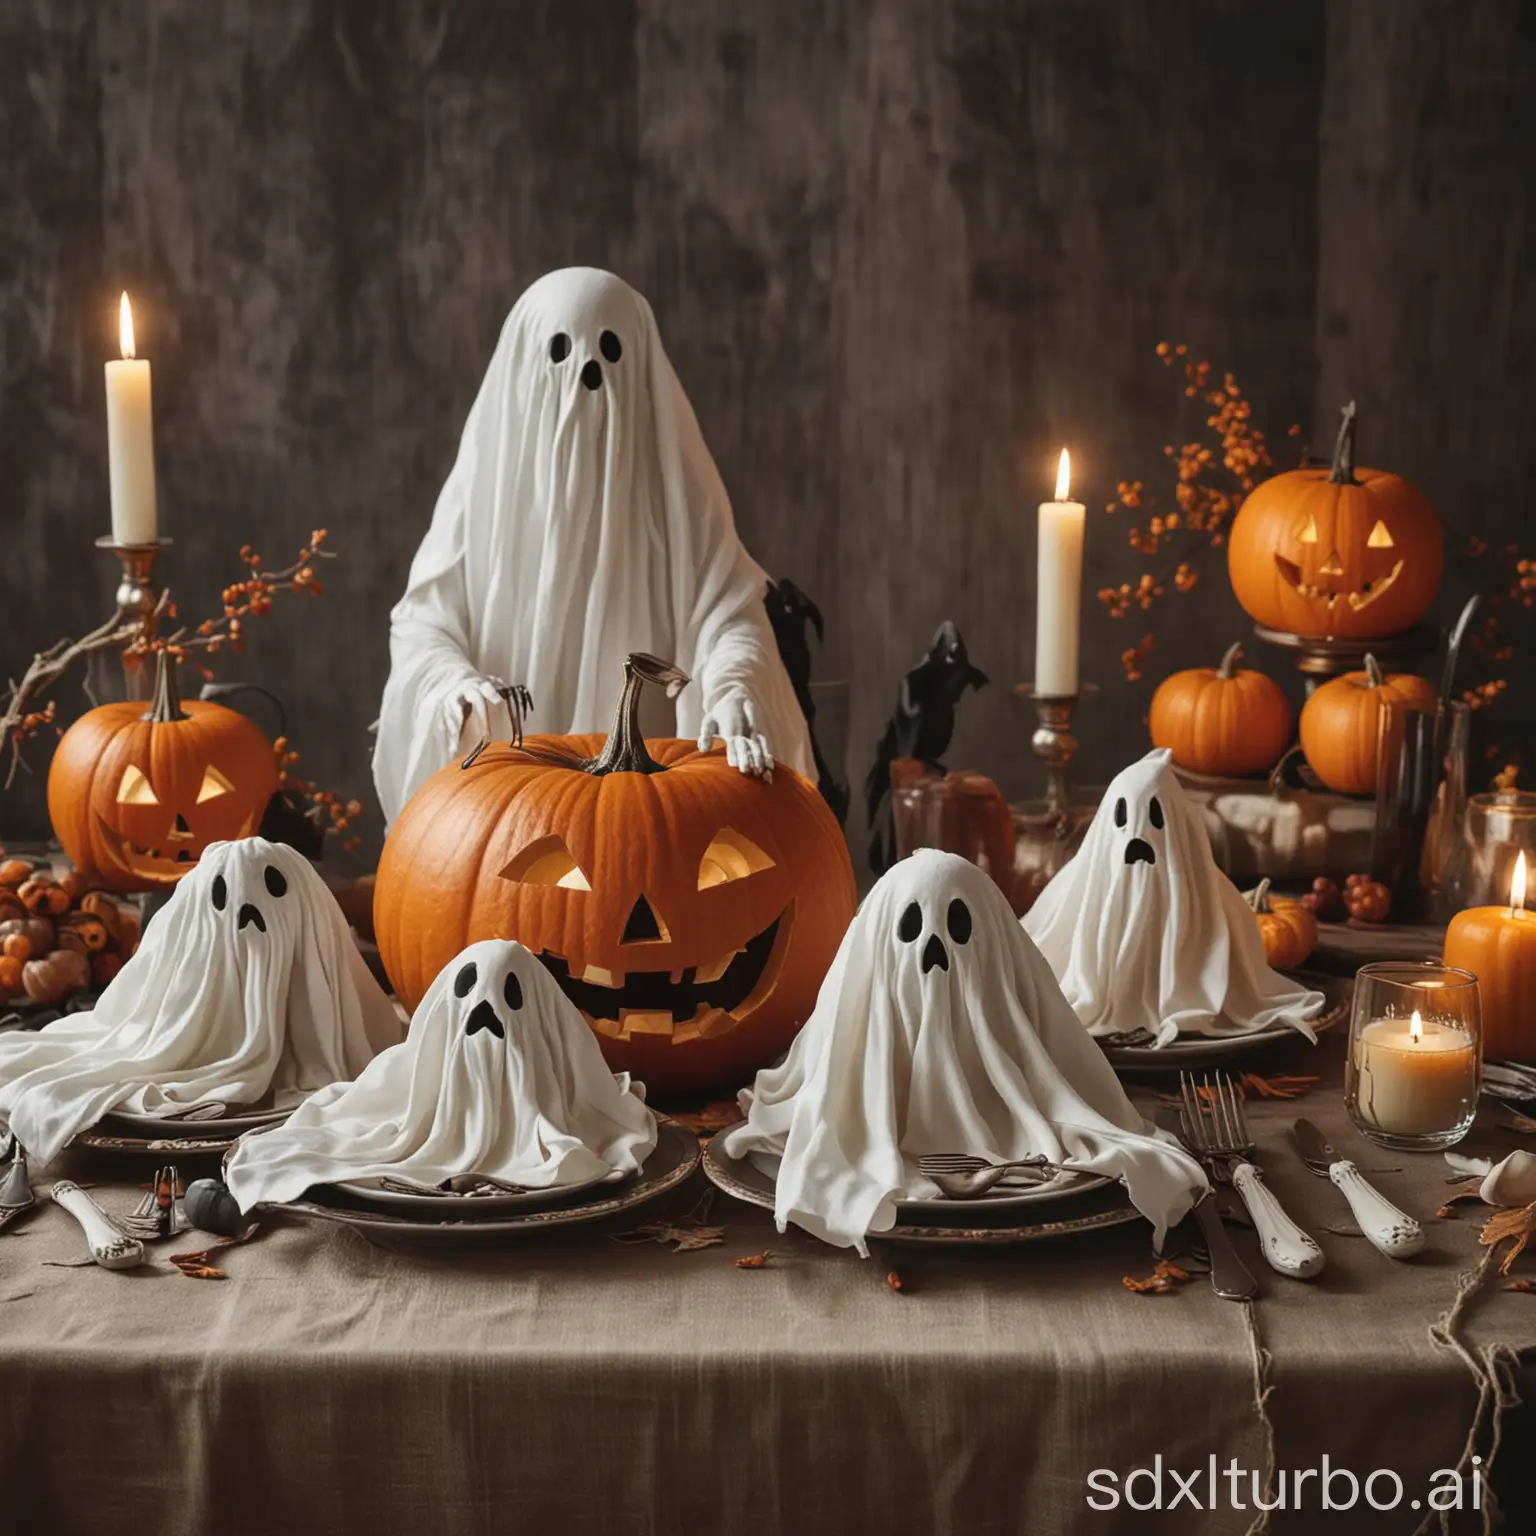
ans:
(583, 519)
(499, 1075)
(1145, 932)
(247, 984)
(941, 1029)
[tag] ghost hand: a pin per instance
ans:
(468, 710)
(733, 721)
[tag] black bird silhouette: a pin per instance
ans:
(792, 614)
(922, 728)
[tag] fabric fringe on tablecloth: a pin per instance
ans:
(1492, 1368)
(1261, 1360)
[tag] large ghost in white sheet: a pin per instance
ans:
(583, 519)
(1144, 932)
(499, 1075)
(941, 1029)
(247, 985)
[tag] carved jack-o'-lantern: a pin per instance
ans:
(688, 911)
(136, 795)
(1337, 552)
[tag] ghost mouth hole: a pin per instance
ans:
(250, 917)
(483, 1016)
(701, 1001)
(592, 373)
(934, 954)
(1139, 851)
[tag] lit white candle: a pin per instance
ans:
(130, 440)
(1416, 1077)
(1058, 589)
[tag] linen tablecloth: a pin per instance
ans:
(576, 1383)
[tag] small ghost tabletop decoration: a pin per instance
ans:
(1145, 932)
(499, 1075)
(941, 1029)
(247, 984)
(582, 520)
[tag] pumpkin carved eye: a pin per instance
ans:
(135, 789)
(547, 862)
(1380, 538)
(214, 784)
(730, 856)
(1309, 533)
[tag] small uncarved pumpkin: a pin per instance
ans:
(1289, 931)
(1336, 551)
(1341, 724)
(688, 911)
(136, 795)
(1221, 721)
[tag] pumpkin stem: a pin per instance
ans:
(1258, 897)
(1343, 471)
(166, 704)
(624, 751)
(1228, 668)
(1374, 677)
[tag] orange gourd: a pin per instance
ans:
(1341, 722)
(1337, 551)
(690, 912)
(1289, 931)
(1221, 721)
(136, 795)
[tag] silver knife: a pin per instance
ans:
(1231, 1279)
(1393, 1231)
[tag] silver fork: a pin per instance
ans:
(1215, 1124)
(462, 1184)
(963, 1177)
(160, 1213)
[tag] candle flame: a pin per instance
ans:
(1517, 885)
(1416, 1027)
(125, 326)
(1063, 476)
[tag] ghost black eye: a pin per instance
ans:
(1120, 811)
(464, 982)
(272, 878)
(559, 347)
(608, 345)
(220, 893)
(513, 991)
(959, 921)
(1155, 811)
(911, 924)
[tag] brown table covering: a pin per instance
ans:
(579, 1384)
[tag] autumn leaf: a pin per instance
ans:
(1165, 1276)
(684, 1239)
(894, 1281)
(199, 1266)
(755, 1260)
(1515, 1226)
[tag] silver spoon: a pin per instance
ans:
(959, 1181)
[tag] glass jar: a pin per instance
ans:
(1498, 827)
(1415, 1061)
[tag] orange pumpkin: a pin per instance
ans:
(690, 912)
(136, 796)
(1221, 721)
(1288, 929)
(1341, 722)
(1336, 552)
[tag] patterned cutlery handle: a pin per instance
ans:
(1287, 1248)
(1393, 1231)
(110, 1246)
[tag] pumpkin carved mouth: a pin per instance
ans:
(698, 1002)
(1363, 597)
(145, 863)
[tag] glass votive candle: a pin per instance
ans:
(1415, 1055)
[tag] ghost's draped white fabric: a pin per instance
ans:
(940, 1029)
(247, 984)
(1145, 932)
(577, 525)
(499, 1075)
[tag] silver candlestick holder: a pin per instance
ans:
(138, 601)
(1047, 832)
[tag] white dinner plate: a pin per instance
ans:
(168, 1128)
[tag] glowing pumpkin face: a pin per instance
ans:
(1337, 552)
(689, 912)
(136, 797)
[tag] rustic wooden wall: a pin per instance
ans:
(899, 252)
